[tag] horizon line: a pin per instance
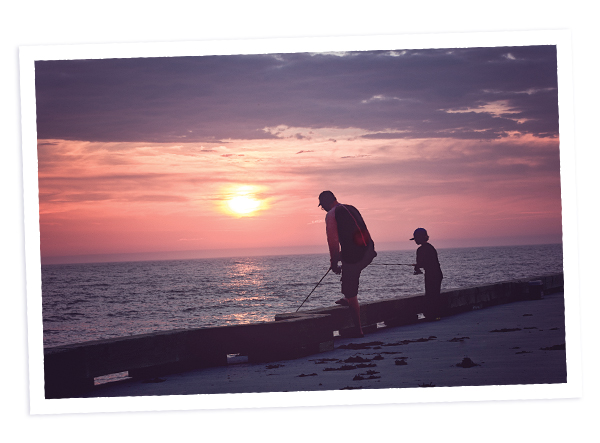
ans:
(247, 252)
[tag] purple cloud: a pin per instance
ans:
(214, 98)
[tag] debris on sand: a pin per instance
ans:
(459, 339)
(155, 380)
(366, 365)
(362, 377)
(356, 346)
(321, 361)
(342, 368)
(357, 359)
(273, 366)
(467, 363)
(406, 342)
(561, 347)
(369, 375)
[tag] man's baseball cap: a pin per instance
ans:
(325, 197)
(419, 231)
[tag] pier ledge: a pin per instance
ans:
(70, 370)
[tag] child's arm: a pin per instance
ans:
(418, 265)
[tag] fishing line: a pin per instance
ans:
(391, 264)
(314, 288)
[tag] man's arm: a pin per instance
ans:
(333, 240)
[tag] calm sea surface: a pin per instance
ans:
(83, 302)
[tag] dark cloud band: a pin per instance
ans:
(213, 98)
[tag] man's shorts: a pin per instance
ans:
(351, 272)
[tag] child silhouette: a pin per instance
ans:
(427, 259)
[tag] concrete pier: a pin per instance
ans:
(70, 370)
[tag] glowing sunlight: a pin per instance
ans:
(242, 201)
(243, 205)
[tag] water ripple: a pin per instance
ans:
(103, 300)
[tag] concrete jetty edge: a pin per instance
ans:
(70, 370)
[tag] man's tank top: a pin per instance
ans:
(352, 231)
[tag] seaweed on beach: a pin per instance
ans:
(155, 380)
(506, 330)
(308, 375)
(341, 368)
(406, 342)
(356, 346)
(321, 361)
(359, 377)
(459, 339)
(273, 366)
(366, 365)
(357, 359)
(561, 347)
(467, 363)
(347, 388)
(369, 375)
(427, 385)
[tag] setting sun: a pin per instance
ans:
(243, 205)
(242, 201)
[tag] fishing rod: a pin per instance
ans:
(377, 264)
(314, 288)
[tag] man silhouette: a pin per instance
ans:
(349, 241)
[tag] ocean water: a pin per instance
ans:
(83, 302)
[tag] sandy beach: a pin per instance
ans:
(519, 343)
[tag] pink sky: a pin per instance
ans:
(107, 198)
(484, 171)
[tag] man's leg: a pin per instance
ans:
(350, 280)
(355, 312)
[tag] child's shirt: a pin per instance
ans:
(427, 259)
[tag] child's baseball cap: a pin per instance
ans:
(419, 231)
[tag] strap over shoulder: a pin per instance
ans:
(361, 233)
